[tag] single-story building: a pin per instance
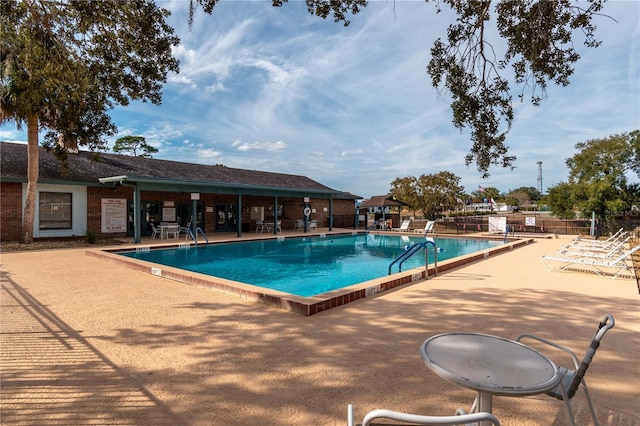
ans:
(120, 195)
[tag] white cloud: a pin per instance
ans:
(355, 105)
(209, 155)
(259, 146)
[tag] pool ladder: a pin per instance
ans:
(194, 237)
(413, 249)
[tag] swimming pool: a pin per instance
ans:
(308, 266)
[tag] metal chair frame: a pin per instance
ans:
(573, 379)
(461, 418)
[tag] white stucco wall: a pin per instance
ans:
(78, 211)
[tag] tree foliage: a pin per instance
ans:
(598, 177)
(532, 194)
(475, 70)
(65, 63)
(405, 189)
(487, 193)
(431, 194)
(560, 200)
(134, 145)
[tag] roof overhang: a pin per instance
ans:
(172, 185)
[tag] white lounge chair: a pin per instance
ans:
(428, 228)
(595, 251)
(602, 244)
(605, 267)
(611, 238)
(404, 226)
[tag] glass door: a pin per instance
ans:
(150, 213)
(184, 214)
(226, 217)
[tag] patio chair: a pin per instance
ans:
(428, 228)
(612, 267)
(404, 226)
(574, 378)
(260, 226)
(185, 229)
(154, 230)
(415, 419)
(298, 225)
(173, 231)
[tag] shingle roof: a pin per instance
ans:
(82, 169)
(382, 201)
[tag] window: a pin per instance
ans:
(55, 210)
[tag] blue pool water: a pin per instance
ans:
(307, 266)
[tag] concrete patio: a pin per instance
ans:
(88, 342)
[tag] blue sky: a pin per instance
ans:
(277, 89)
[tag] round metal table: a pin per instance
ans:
(490, 365)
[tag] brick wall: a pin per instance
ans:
(94, 206)
(10, 211)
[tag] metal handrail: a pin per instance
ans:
(193, 237)
(413, 250)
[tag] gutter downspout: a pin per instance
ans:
(137, 225)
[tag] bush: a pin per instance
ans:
(92, 236)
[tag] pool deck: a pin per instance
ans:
(85, 341)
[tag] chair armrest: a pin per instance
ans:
(349, 415)
(550, 343)
(429, 420)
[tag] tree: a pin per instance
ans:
(599, 173)
(133, 144)
(485, 193)
(560, 200)
(64, 64)
(431, 194)
(439, 192)
(608, 158)
(598, 177)
(404, 189)
(531, 193)
(539, 49)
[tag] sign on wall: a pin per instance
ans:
(168, 214)
(114, 215)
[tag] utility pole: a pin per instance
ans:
(539, 163)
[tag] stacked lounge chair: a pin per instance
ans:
(610, 267)
(597, 252)
(599, 244)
